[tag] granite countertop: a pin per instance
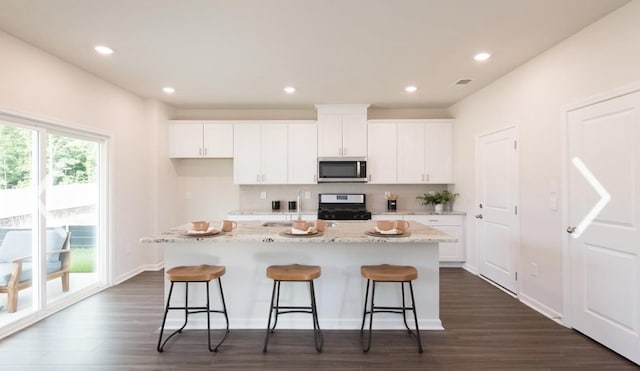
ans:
(340, 232)
(374, 212)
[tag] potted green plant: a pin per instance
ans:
(437, 199)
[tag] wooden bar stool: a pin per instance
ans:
(388, 273)
(194, 274)
(293, 273)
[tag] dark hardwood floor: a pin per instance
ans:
(485, 330)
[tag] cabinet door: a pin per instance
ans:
(439, 153)
(383, 155)
(273, 153)
(185, 140)
(303, 153)
(451, 225)
(218, 140)
(246, 153)
(329, 135)
(354, 135)
(452, 251)
(411, 137)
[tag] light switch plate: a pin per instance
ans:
(263, 195)
(307, 195)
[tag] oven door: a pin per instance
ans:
(342, 170)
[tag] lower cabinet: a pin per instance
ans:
(453, 225)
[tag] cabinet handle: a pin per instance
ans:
(369, 177)
(571, 229)
(257, 178)
(427, 177)
(344, 151)
(199, 151)
(205, 151)
(340, 151)
(423, 178)
(315, 178)
(263, 177)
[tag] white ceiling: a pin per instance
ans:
(241, 53)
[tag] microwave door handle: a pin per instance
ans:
(357, 169)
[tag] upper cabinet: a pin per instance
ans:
(200, 139)
(303, 152)
(383, 152)
(260, 153)
(342, 130)
(425, 151)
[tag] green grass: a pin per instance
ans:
(83, 260)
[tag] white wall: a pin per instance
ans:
(602, 57)
(38, 85)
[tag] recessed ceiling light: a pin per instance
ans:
(289, 89)
(104, 50)
(410, 89)
(481, 57)
(168, 90)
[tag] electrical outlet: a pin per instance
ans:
(307, 195)
(263, 195)
(534, 269)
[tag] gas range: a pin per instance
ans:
(342, 206)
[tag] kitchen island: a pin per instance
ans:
(340, 251)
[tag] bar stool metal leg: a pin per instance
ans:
(365, 348)
(317, 333)
(192, 310)
(269, 329)
(415, 317)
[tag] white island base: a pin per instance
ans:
(340, 289)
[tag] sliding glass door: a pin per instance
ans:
(51, 217)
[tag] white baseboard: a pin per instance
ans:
(451, 264)
(145, 267)
(300, 323)
(541, 308)
(470, 269)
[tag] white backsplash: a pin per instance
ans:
(250, 195)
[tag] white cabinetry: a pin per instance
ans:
(342, 130)
(260, 153)
(200, 139)
(382, 148)
(303, 152)
(452, 225)
(425, 152)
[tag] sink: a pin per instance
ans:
(277, 224)
(288, 224)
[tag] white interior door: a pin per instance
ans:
(497, 220)
(604, 256)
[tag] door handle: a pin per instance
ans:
(479, 216)
(571, 229)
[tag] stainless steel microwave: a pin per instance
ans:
(342, 170)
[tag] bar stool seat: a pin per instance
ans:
(389, 273)
(293, 273)
(194, 274)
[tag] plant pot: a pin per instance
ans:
(439, 208)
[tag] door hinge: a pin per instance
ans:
(515, 210)
(515, 144)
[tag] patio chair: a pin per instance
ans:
(16, 263)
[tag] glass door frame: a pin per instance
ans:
(104, 254)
